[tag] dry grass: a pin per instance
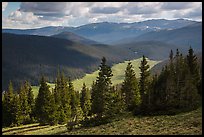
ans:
(189, 123)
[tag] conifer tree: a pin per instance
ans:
(31, 101)
(57, 97)
(23, 100)
(44, 104)
(76, 111)
(193, 67)
(85, 101)
(18, 118)
(8, 102)
(130, 88)
(66, 91)
(101, 89)
(144, 84)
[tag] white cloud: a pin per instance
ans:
(39, 14)
(4, 5)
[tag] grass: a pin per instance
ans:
(118, 71)
(188, 123)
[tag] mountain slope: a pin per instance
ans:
(45, 31)
(188, 123)
(107, 32)
(184, 37)
(155, 50)
(26, 57)
(75, 38)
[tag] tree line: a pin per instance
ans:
(177, 88)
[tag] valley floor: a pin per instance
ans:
(184, 123)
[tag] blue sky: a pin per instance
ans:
(11, 7)
(23, 15)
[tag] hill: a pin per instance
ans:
(108, 32)
(184, 37)
(118, 71)
(26, 57)
(154, 50)
(189, 123)
(45, 31)
(75, 38)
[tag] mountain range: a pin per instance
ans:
(26, 54)
(107, 32)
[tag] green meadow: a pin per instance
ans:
(118, 71)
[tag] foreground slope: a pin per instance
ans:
(189, 123)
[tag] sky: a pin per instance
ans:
(27, 15)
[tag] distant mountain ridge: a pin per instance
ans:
(181, 38)
(75, 38)
(107, 32)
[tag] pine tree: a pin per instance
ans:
(44, 104)
(76, 111)
(17, 116)
(8, 102)
(193, 67)
(130, 88)
(85, 101)
(189, 95)
(154, 92)
(31, 101)
(57, 97)
(101, 90)
(23, 98)
(170, 83)
(3, 109)
(113, 104)
(144, 84)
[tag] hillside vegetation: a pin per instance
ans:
(189, 123)
(118, 71)
(26, 57)
(118, 75)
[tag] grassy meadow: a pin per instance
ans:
(188, 123)
(118, 71)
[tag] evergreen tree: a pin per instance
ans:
(31, 101)
(18, 118)
(3, 109)
(44, 104)
(23, 100)
(113, 105)
(8, 109)
(57, 97)
(76, 111)
(85, 101)
(144, 84)
(189, 94)
(130, 88)
(101, 90)
(193, 67)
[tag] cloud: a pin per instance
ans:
(24, 17)
(39, 14)
(105, 10)
(57, 9)
(4, 5)
(176, 5)
(143, 8)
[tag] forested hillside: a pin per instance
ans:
(26, 57)
(177, 88)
